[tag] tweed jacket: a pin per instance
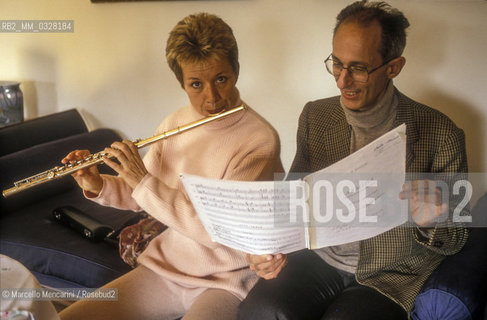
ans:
(397, 262)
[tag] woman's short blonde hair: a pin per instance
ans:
(198, 37)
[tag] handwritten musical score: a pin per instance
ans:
(253, 219)
(354, 199)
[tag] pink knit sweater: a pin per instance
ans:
(242, 146)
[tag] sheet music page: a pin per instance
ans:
(250, 216)
(358, 197)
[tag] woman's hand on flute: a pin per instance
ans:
(130, 168)
(88, 179)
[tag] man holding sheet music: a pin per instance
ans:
(380, 277)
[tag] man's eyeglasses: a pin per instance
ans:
(357, 72)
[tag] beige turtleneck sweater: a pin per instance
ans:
(242, 146)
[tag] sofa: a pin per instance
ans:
(57, 254)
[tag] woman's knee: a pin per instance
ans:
(214, 304)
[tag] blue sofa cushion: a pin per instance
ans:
(55, 253)
(456, 289)
(39, 158)
(439, 304)
(59, 256)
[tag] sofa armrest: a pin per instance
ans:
(29, 133)
(456, 289)
(42, 157)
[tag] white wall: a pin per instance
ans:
(112, 68)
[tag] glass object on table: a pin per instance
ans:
(11, 103)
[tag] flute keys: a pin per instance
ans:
(58, 172)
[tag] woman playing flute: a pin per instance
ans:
(182, 272)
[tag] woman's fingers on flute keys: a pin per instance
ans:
(81, 174)
(88, 178)
(75, 155)
(130, 167)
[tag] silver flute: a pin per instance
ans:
(93, 159)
